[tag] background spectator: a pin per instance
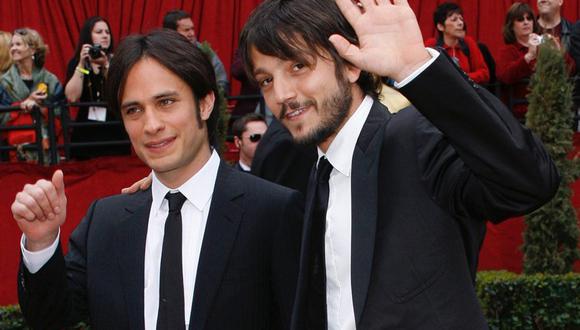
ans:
(86, 76)
(517, 57)
(448, 19)
(248, 131)
(248, 88)
(181, 22)
(5, 58)
(29, 85)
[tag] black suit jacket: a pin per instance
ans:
(424, 181)
(245, 278)
(278, 159)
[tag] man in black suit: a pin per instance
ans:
(396, 208)
(248, 131)
(235, 262)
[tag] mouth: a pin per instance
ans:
(159, 145)
(292, 114)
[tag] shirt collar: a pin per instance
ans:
(198, 189)
(244, 166)
(341, 149)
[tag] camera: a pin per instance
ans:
(95, 51)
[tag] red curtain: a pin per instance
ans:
(218, 22)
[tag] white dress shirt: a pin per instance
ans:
(198, 190)
(338, 234)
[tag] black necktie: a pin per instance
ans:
(317, 292)
(171, 306)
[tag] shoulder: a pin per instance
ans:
(121, 201)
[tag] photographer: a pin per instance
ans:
(86, 76)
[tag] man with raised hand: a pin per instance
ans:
(397, 204)
(206, 247)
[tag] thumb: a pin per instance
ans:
(58, 182)
(348, 51)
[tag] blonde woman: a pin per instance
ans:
(5, 59)
(28, 84)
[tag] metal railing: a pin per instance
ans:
(68, 125)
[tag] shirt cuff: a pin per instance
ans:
(37, 259)
(434, 54)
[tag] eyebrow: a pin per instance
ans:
(156, 97)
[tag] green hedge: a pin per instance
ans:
(509, 301)
(512, 301)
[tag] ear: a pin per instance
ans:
(237, 142)
(352, 73)
(206, 106)
(440, 27)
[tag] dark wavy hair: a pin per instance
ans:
(175, 53)
(299, 30)
(86, 36)
(517, 12)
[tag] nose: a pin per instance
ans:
(284, 90)
(153, 122)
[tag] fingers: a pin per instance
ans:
(35, 202)
(345, 49)
(59, 192)
(142, 184)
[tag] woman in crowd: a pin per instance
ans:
(448, 19)
(86, 76)
(517, 58)
(28, 84)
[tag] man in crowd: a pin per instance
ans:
(181, 22)
(248, 131)
(397, 205)
(204, 248)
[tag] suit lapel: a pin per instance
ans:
(132, 233)
(220, 234)
(364, 192)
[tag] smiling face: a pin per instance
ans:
(101, 34)
(308, 98)
(453, 27)
(19, 50)
(161, 121)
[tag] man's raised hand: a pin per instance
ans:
(390, 41)
(39, 210)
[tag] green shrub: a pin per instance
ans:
(11, 318)
(539, 301)
(551, 234)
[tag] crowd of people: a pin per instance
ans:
(25, 82)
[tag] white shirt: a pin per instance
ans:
(198, 190)
(337, 237)
(338, 234)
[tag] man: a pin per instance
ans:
(396, 209)
(181, 22)
(552, 22)
(238, 241)
(248, 131)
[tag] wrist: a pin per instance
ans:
(38, 245)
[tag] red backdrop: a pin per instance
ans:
(218, 22)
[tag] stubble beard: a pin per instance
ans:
(333, 112)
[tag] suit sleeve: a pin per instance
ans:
(285, 256)
(476, 158)
(56, 296)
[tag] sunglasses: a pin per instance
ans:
(527, 18)
(255, 137)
